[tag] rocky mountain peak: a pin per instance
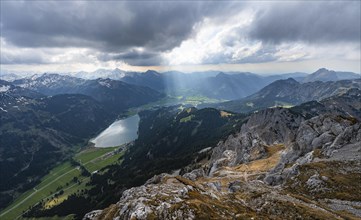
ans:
(282, 83)
(221, 75)
(325, 75)
(152, 72)
(321, 70)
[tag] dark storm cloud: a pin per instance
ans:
(313, 22)
(109, 26)
(134, 57)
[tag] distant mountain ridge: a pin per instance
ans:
(211, 84)
(50, 83)
(325, 75)
(222, 86)
(347, 104)
(117, 95)
(289, 92)
(8, 89)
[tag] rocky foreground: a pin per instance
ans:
(280, 165)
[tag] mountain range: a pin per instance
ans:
(115, 94)
(211, 84)
(281, 146)
(288, 92)
(325, 75)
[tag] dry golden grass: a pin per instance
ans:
(225, 114)
(263, 165)
(185, 181)
(206, 207)
(342, 214)
(246, 172)
(341, 182)
(55, 201)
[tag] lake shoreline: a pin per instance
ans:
(121, 131)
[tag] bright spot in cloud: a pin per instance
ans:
(215, 39)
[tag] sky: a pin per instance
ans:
(255, 36)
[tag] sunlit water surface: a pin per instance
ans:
(120, 132)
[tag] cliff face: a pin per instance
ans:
(269, 127)
(279, 164)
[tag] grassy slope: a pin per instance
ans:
(170, 100)
(61, 177)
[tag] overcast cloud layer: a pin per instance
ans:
(97, 34)
(322, 22)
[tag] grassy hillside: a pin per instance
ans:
(66, 179)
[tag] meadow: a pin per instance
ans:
(63, 180)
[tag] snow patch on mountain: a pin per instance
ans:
(4, 88)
